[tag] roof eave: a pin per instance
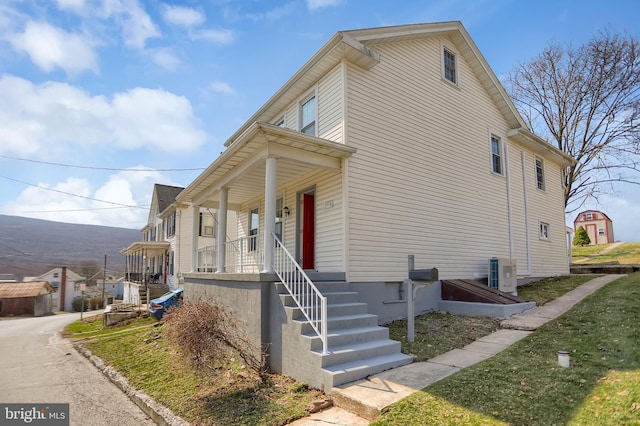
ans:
(353, 50)
(538, 145)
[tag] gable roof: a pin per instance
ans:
(591, 211)
(24, 289)
(358, 47)
(166, 195)
(71, 276)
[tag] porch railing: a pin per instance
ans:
(306, 295)
(242, 255)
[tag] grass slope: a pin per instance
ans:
(524, 384)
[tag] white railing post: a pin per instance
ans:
(306, 295)
(323, 325)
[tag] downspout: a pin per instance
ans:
(177, 245)
(509, 207)
(526, 212)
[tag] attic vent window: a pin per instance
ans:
(449, 62)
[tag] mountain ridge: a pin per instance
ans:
(31, 247)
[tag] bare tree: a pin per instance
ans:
(91, 270)
(586, 101)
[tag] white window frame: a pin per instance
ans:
(203, 231)
(280, 217)
(540, 178)
(170, 225)
(301, 104)
(253, 242)
(500, 155)
(544, 231)
(588, 216)
(445, 67)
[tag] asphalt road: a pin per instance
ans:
(39, 366)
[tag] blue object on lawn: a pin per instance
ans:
(159, 305)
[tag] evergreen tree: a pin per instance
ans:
(581, 238)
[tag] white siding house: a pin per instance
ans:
(66, 285)
(170, 237)
(388, 142)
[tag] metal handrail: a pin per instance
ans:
(306, 295)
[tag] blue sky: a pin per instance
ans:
(156, 86)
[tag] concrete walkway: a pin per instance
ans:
(361, 401)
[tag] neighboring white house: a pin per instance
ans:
(113, 285)
(66, 284)
(388, 142)
(166, 247)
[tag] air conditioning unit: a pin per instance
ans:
(503, 275)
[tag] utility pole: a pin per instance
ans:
(104, 278)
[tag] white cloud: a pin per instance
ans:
(213, 36)
(222, 87)
(182, 16)
(165, 58)
(318, 4)
(128, 188)
(75, 5)
(50, 47)
(137, 26)
(232, 14)
(40, 118)
(157, 118)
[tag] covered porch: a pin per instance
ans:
(145, 262)
(267, 176)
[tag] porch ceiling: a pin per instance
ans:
(241, 168)
(152, 248)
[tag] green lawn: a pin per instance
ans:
(521, 386)
(625, 254)
(524, 385)
(233, 395)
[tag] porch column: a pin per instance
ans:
(221, 237)
(271, 171)
(195, 232)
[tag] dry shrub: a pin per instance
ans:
(205, 334)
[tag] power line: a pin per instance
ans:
(69, 193)
(101, 168)
(76, 210)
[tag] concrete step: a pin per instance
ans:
(339, 374)
(342, 338)
(332, 298)
(342, 322)
(323, 286)
(337, 309)
(356, 352)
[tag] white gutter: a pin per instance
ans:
(526, 213)
(509, 207)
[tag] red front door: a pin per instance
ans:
(308, 233)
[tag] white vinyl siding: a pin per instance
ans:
(329, 252)
(418, 183)
(330, 107)
(546, 256)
